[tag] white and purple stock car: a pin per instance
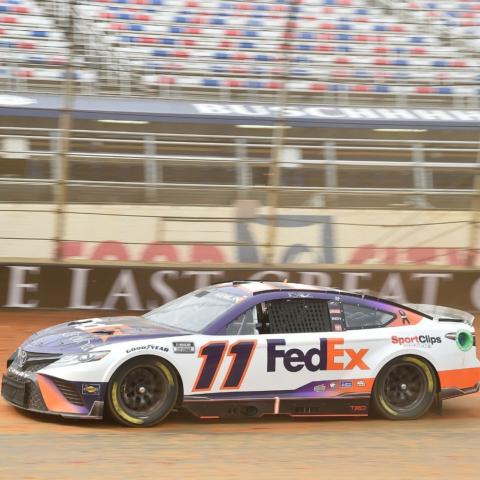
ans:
(247, 349)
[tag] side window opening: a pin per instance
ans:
(299, 315)
(358, 317)
(244, 324)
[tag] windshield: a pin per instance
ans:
(194, 311)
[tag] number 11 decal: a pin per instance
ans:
(213, 354)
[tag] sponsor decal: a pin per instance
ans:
(361, 383)
(319, 388)
(19, 373)
(346, 384)
(299, 295)
(337, 327)
(395, 115)
(417, 340)
(104, 332)
(83, 341)
(358, 408)
(183, 347)
(333, 385)
(22, 358)
(330, 356)
(404, 317)
(91, 389)
(147, 347)
(335, 311)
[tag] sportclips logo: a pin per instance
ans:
(424, 340)
(330, 356)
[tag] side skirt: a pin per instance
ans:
(206, 408)
(447, 393)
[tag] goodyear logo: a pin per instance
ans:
(91, 388)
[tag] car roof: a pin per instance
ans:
(254, 287)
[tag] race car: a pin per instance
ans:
(249, 349)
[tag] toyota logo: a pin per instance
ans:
(22, 358)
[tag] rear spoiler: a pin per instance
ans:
(444, 314)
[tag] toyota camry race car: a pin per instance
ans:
(247, 349)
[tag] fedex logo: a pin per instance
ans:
(330, 356)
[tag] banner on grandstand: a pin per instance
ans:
(142, 288)
(154, 109)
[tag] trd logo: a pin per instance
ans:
(324, 358)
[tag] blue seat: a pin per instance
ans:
(307, 36)
(445, 90)
(417, 39)
(253, 84)
(381, 88)
(210, 82)
(222, 55)
(337, 87)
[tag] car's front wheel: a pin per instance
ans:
(405, 389)
(142, 392)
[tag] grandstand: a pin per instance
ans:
(179, 105)
(340, 51)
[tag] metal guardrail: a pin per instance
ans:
(161, 168)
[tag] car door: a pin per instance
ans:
(281, 346)
(305, 350)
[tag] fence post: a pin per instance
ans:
(65, 126)
(475, 219)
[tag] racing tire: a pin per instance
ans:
(142, 392)
(405, 389)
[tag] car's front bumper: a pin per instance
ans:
(42, 393)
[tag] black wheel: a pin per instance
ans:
(142, 392)
(404, 389)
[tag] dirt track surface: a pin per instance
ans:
(39, 447)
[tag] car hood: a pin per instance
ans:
(81, 336)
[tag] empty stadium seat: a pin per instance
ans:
(358, 47)
(34, 50)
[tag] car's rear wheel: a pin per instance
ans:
(405, 389)
(142, 392)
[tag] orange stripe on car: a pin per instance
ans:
(53, 398)
(461, 378)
